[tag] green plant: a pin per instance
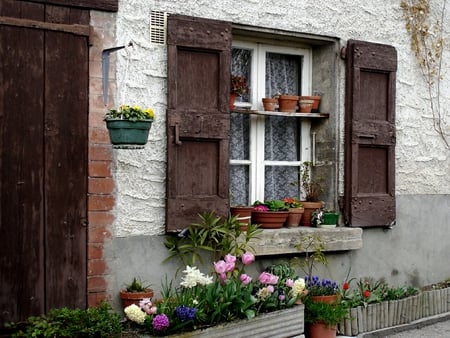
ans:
(320, 216)
(313, 246)
(212, 234)
(311, 188)
(270, 205)
(132, 113)
(329, 314)
(98, 321)
(136, 285)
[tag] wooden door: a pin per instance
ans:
(43, 148)
(198, 123)
(370, 134)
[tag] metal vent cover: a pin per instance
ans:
(158, 25)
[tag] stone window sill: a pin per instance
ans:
(283, 241)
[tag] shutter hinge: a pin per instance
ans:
(343, 53)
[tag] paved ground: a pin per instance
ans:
(431, 327)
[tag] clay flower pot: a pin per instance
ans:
(287, 103)
(315, 103)
(294, 217)
(269, 104)
(243, 214)
(309, 207)
(269, 219)
(129, 298)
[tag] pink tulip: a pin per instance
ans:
(270, 289)
(245, 279)
(230, 258)
(248, 258)
(268, 278)
(289, 283)
(220, 266)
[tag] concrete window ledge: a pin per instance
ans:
(284, 240)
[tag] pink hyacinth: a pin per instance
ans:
(289, 283)
(248, 258)
(270, 288)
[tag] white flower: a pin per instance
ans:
(298, 287)
(135, 314)
(194, 277)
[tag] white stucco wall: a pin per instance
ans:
(422, 161)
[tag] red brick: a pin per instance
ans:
(98, 218)
(99, 135)
(98, 234)
(95, 298)
(96, 284)
(96, 267)
(101, 202)
(100, 185)
(95, 251)
(100, 169)
(100, 152)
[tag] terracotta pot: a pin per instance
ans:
(232, 100)
(243, 214)
(129, 298)
(287, 103)
(305, 106)
(269, 219)
(329, 299)
(309, 207)
(269, 104)
(294, 217)
(316, 102)
(320, 330)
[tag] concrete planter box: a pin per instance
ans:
(393, 313)
(281, 324)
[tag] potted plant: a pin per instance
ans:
(129, 125)
(135, 292)
(312, 189)
(324, 218)
(295, 209)
(270, 214)
(323, 307)
(322, 318)
(239, 87)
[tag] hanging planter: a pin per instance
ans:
(129, 125)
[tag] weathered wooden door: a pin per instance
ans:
(198, 123)
(43, 148)
(370, 134)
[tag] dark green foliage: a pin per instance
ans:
(330, 314)
(100, 321)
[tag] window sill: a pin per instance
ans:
(280, 113)
(283, 241)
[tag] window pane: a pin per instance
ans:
(281, 182)
(282, 139)
(240, 136)
(241, 63)
(239, 185)
(283, 74)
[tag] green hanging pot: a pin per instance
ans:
(123, 132)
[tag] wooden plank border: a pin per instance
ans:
(76, 29)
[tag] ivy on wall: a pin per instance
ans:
(427, 42)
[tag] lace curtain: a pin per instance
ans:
(282, 134)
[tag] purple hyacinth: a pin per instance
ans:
(160, 322)
(185, 313)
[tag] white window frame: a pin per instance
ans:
(257, 163)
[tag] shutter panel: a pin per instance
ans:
(370, 134)
(198, 119)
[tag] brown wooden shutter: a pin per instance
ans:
(198, 121)
(370, 134)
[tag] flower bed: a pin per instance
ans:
(395, 312)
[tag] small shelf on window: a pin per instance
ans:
(279, 113)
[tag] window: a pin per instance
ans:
(266, 152)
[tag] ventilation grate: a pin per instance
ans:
(158, 23)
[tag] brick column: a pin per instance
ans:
(101, 188)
